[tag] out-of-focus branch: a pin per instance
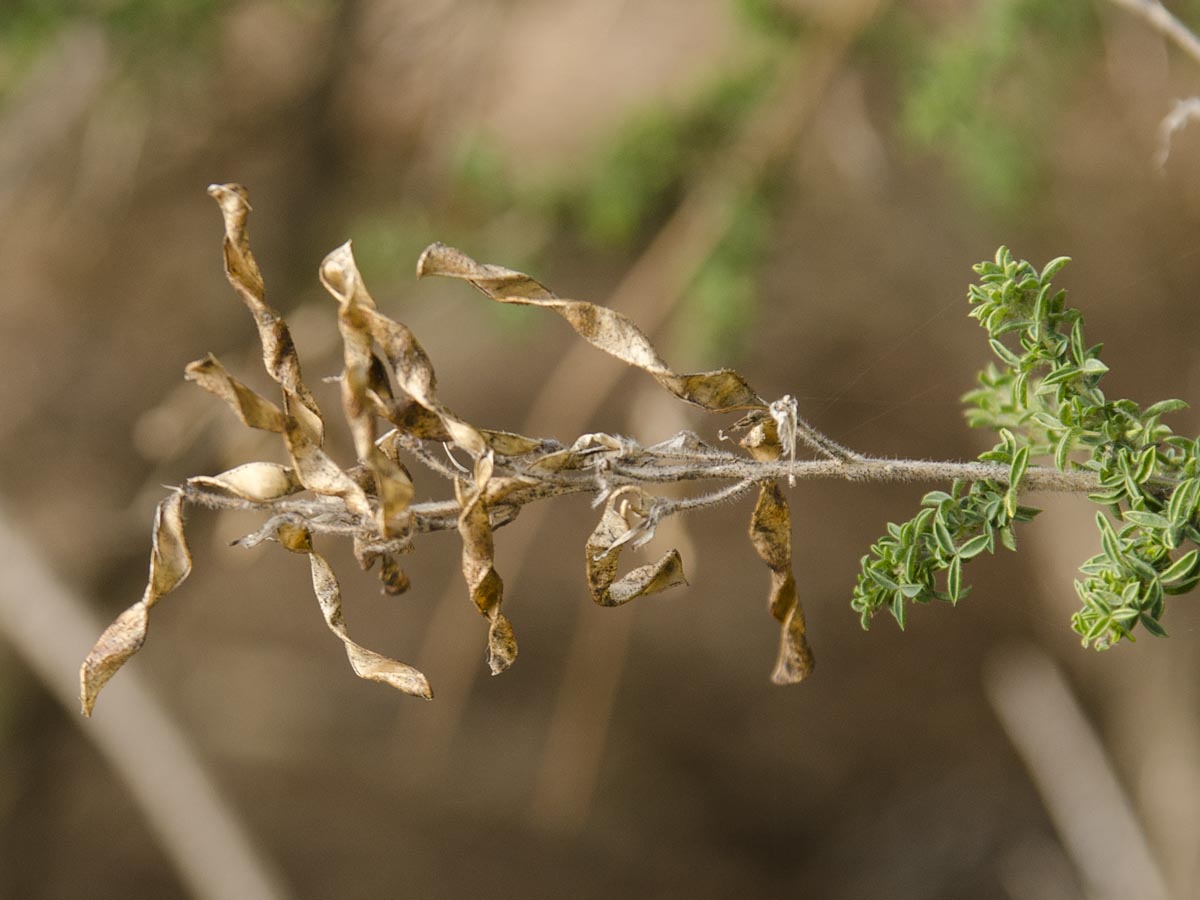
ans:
(1070, 769)
(1161, 20)
(50, 627)
(1184, 111)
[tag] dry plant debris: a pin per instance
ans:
(1045, 402)
(388, 377)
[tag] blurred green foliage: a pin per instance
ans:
(982, 94)
(639, 175)
(146, 33)
(718, 307)
(627, 188)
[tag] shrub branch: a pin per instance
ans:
(1044, 402)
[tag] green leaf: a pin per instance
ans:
(880, 579)
(1062, 448)
(1061, 374)
(898, 609)
(1146, 519)
(942, 535)
(1182, 587)
(1182, 505)
(1179, 569)
(1152, 626)
(954, 580)
(1078, 347)
(973, 547)
(1006, 356)
(1053, 267)
(1015, 473)
(1140, 567)
(1145, 465)
(1017, 470)
(1108, 539)
(1164, 406)
(1093, 366)
(1046, 420)
(1008, 538)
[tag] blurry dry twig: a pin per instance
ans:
(1165, 23)
(1071, 770)
(203, 837)
(388, 376)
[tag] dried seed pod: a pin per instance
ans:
(771, 534)
(279, 351)
(722, 390)
(360, 399)
(170, 564)
(604, 548)
(253, 410)
(485, 585)
(388, 375)
(367, 664)
(259, 482)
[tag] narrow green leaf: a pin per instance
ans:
(1182, 505)
(1059, 375)
(942, 534)
(1062, 448)
(1180, 568)
(1008, 538)
(1144, 467)
(1006, 356)
(1164, 406)
(1053, 267)
(973, 547)
(1152, 626)
(1078, 347)
(1146, 519)
(1017, 470)
(880, 579)
(954, 580)
(1046, 420)
(1108, 538)
(1140, 567)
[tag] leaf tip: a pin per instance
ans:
(230, 196)
(426, 264)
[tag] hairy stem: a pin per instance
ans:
(329, 515)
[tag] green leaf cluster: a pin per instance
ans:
(922, 560)
(1045, 402)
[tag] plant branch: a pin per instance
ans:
(1161, 20)
(635, 466)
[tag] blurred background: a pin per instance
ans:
(793, 188)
